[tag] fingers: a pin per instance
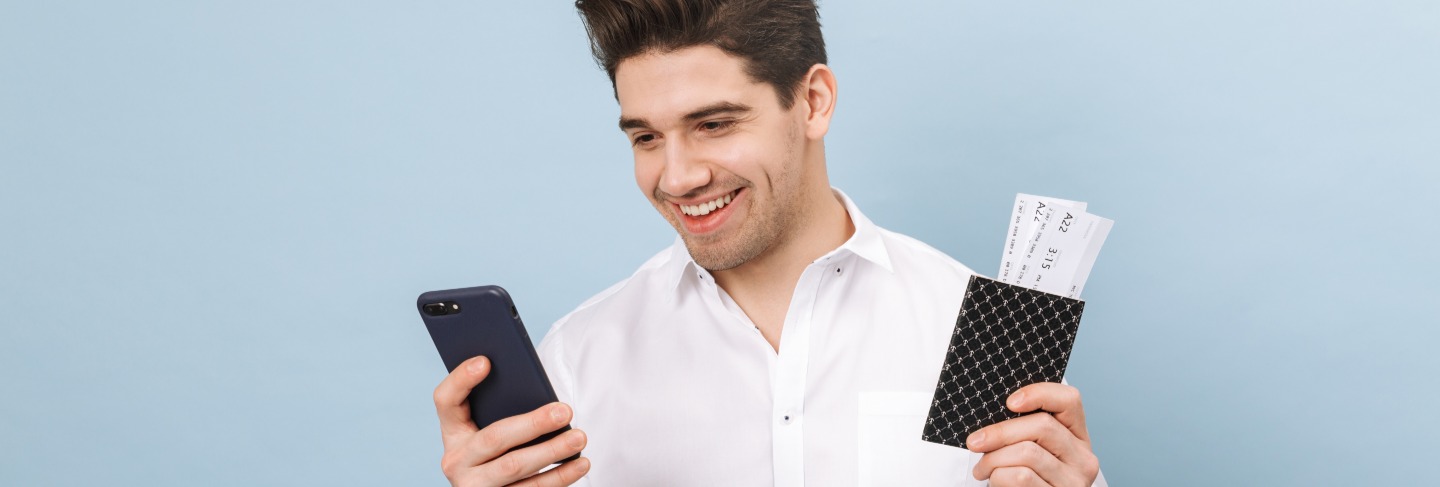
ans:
(1039, 443)
(565, 474)
(450, 397)
(1041, 428)
(1059, 400)
(1020, 461)
(523, 463)
(1016, 477)
(499, 437)
(475, 456)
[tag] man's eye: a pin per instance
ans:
(643, 139)
(716, 125)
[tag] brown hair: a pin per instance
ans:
(779, 40)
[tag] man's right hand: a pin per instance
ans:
(477, 457)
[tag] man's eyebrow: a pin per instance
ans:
(716, 109)
(627, 123)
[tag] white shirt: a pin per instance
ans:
(674, 385)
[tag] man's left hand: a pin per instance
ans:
(1048, 448)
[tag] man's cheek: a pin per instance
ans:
(646, 179)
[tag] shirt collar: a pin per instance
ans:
(865, 243)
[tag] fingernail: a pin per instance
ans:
(576, 439)
(557, 413)
(1017, 399)
(976, 439)
(476, 366)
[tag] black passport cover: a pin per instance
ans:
(1006, 337)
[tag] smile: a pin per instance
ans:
(705, 208)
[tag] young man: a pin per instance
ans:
(784, 339)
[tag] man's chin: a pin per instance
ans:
(714, 256)
(720, 249)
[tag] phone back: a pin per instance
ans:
(483, 321)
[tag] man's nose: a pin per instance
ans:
(685, 169)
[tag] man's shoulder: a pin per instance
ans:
(622, 296)
(910, 255)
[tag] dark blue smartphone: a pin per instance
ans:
(468, 322)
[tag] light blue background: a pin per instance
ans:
(215, 217)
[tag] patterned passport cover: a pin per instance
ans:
(1006, 337)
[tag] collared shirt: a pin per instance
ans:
(675, 386)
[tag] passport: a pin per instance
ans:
(1018, 329)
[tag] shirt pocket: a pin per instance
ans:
(892, 453)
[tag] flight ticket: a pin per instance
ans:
(1051, 245)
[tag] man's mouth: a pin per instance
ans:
(707, 207)
(705, 218)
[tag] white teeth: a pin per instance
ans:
(705, 208)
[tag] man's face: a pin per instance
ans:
(714, 151)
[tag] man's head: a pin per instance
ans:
(727, 128)
(779, 40)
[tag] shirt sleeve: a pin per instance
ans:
(552, 357)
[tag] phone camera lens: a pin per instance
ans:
(436, 309)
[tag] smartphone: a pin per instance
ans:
(468, 322)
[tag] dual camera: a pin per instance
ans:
(442, 308)
(451, 308)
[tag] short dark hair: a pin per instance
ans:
(779, 40)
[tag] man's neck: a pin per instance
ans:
(763, 286)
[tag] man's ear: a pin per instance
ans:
(817, 98)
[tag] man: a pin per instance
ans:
(784, 339)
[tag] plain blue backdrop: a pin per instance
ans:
(215, 218)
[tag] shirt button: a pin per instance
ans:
(787, 418)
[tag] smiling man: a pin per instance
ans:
(784, 339)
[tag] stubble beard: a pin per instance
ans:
(760, 230)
